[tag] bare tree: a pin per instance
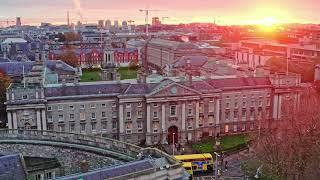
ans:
(290, 148)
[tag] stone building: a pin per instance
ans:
(152, 112)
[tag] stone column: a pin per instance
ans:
(44, 120)
(148, 119)
(163, 123)
(217, 119)
(121, 121)
(183, 123)
(9, 120)
(148, 137)
(197, 115)
(276, 106)
(39, 120)
(15, 120)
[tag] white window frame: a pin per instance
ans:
(175, 110)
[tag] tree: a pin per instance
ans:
(290, 148)
(69, 57)
(4, 84)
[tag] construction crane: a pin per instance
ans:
(147, 10)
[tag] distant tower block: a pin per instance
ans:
(18, 22)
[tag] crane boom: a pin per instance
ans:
(147, 17)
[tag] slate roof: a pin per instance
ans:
(239, 82)
(136, 89)
(15, 68)
(113, 172)
(94, 89)
(12, 167)
(195, 61)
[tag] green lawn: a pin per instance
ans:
(227, 142)
(90, 75)
(126, 73)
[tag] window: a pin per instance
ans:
(82, 116)
(226, 128)
(128, 126)
(93, 115)
(268, 102)
(235, 128)
(173, 110)
(235, 115)
(260, 103)
(155, 127)
(139, 104)
(114, 124)
(72, 127)
(189, 111)
(227, 115)
(71, 117)
(49, 176)
(103, 105)
(71, 107)
(210, 120)
(38, 177)
(49, 118)
(244, 104)
(82, 106)
(114, 114)
(251, 114)
(104, 125)
(128, 105)
(244, 114)
(60, 107)
(93, 126)
(128, 114)
(227, 105)
(155, 114)
(243, 127)
(60, 118)
(114, 104)
(92, 106)
(103, 114)
(252, 103)
(211, 106)
(49, 108)
(244, 96)
(189, 124)
(139, 114)
(25, 97)
(155, 105)
(251, 126)
(82, 127)
(139, 124)
(61, 127)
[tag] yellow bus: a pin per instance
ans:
(188, 167)
(199, 162)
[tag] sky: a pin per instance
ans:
(178, 11)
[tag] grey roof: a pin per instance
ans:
(195, 61)
(239, 82)
(12, 167)
(113, 172)
(135, 89)
(15, 68)
(94, 89)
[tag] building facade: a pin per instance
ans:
(151, 113)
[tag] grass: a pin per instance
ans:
(126, 73)
(90, 75)
(227, 142)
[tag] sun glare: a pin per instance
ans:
(268, 21)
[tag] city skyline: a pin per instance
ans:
(233, 12)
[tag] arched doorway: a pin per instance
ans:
(173, 134)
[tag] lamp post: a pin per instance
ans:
(173, 143)
(216, 165)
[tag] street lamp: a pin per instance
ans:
(173, 143)
(216, 165)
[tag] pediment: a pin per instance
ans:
(173, 89)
